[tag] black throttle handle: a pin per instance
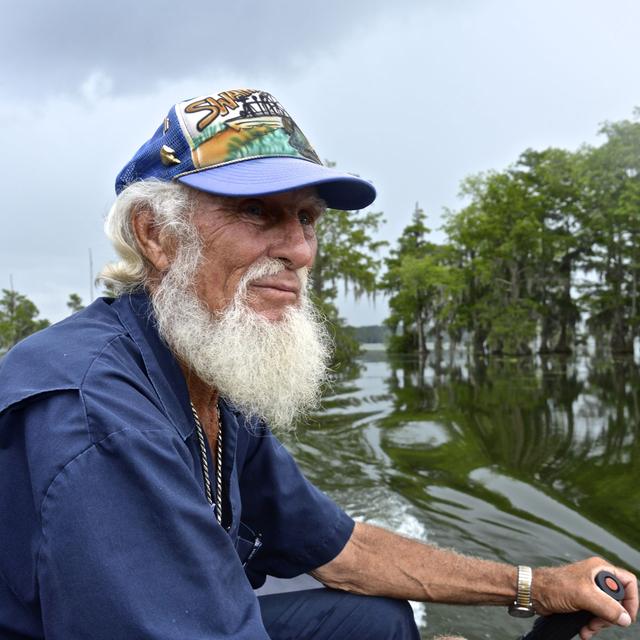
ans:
(563, 626)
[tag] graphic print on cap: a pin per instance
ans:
(238, 143)
(240, 124)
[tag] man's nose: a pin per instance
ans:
(294, 243)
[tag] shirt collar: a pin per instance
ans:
(136, 314)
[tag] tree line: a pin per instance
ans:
(543, 255)
(19, 317)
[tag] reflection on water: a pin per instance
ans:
(527, 461)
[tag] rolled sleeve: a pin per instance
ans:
(301, 527)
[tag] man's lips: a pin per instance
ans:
(278, 284)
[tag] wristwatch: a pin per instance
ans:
(522, 607)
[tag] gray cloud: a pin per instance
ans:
(55, 46)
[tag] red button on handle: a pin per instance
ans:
(610, 585)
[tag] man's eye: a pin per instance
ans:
(254, 208)
(305, 218)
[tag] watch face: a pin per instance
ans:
(518, 611)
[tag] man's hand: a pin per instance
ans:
(572, 588)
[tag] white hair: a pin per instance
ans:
(171, 206)
(273, 370)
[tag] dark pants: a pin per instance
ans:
(326, 614)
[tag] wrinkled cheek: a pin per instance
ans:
(209, 292)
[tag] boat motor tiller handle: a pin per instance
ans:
(563, 626)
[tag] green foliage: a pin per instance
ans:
(18, 318)
(345, 253)
(75, 303)
(423, 282)
(553, 237)
(346, 250)
(499, 238)
(612, 229)
(346, 346)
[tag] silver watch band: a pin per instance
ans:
(522, 606)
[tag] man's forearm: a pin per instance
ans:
(378, 562)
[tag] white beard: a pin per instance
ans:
(273, 370)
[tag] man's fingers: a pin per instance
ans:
(588, 631)
(630, 584)
(601, 604)
(619, 613)
(609, 610)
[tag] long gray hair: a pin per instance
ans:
(171, 205)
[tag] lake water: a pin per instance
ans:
(527, 461)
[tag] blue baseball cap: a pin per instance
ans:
(240, 143)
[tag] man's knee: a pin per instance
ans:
(392, 619)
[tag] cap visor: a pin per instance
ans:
(265, 176)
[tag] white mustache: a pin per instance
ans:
(269, 267)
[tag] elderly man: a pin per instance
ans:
(142, 492)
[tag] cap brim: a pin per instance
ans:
(265, 176)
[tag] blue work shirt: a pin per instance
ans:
(105, 530)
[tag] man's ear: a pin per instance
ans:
(150, 240)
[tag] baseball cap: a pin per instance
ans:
(240, 142)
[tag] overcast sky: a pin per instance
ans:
(412, 95)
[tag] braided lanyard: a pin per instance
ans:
(205, 464)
